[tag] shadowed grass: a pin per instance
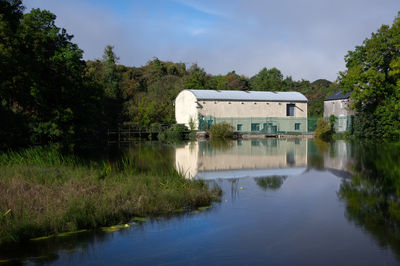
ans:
(43, 193)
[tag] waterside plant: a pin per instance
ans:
(221, 130)
(175, 133)
(43, 192)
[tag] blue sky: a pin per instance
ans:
(303, 38)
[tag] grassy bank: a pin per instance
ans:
(43, 192)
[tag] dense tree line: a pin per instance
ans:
(373, 77)
(46, 95)
(50, 94)
(137, 89)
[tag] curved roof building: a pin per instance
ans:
(252, 111)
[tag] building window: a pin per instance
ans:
(239, 127)
(296, 126)
(255, 127)
(290, 109)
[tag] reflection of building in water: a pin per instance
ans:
(237, 158)
(339, 159)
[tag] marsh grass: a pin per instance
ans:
(43, 192)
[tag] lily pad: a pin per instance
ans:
(141, 219)
(179, 210)
(71, 233)
(204, 208)
(41, 238)
(115, 227)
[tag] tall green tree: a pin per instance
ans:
(111, 78)
(267, 80)
(13, 127)
(373, 76)
(196, 79)
(113, 103)
(45, 83)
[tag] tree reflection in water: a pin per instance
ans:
(270, 182)
(372, 195)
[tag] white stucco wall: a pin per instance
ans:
(338, 108)
(249, 109)
(186, 108)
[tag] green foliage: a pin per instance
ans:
(197, 78)
(267, 80)
(176, 132)
(230, 81)
(323, 130)
(373, 76)
(191, 124)
(43, 82)
(43, 192)
(221, 130)
(332, 122)
(140, 88)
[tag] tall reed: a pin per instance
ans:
(43, 192)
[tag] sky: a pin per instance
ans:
(305, 39)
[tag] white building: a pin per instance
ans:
(246, 111)
(338, 104)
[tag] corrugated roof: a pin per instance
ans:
(338, 95)
(285, 96)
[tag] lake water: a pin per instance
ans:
(284, 202)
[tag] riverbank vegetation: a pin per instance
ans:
(177, 132)
(326, 129)
(43, 192)
(323, 130)
(373, 77)
(221, 131)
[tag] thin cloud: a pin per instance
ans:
(201, 8)
(305, 39)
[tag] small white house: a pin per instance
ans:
(247, 111)
(339, 105)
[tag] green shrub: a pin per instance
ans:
(176, 132)
(332, 122)
(191, 124)
(323, 130)
(221, 130)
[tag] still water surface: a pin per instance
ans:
(284, 202)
